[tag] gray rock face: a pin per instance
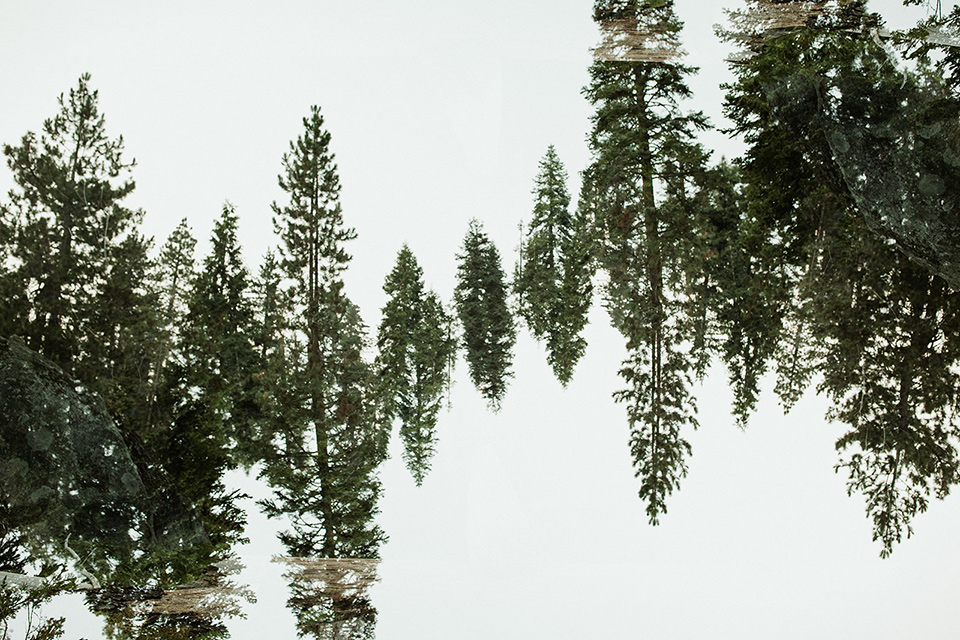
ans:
(64, 467)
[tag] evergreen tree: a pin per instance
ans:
(329, 442)
(205, 404)
(269, 306)
(83, 292)
(651, 251)
(810, 100)
(219, 354)
(66, 219)
(120, 336)
(76, 272)
(552, 280)
(415, 348)
(176, 271)
(933, 41)
(489, 332)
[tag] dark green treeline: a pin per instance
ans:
(825, 256)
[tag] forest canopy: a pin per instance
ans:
(824, 258)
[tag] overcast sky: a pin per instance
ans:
(529, 525)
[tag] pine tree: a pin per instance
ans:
(324, 473)
(552, 281)
(77, 275)
(489, 332)
(651, 251)
(66, 220)
(415, 347)
(85, 293)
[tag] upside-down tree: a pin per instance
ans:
(820, 101)
(553, 278)
(489, 331)
(639, 185)
(415, 347)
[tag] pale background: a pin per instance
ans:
(529, 525)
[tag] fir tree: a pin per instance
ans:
(651, 251)
(489, 332)
(552, 280)
(415, 347)
(330, 444)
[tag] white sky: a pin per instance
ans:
(529, 525)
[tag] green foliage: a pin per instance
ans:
(85, 294)
(325, 442)
(553, 278)
(15, 599)
(63, 225)
(819, 107)
(219, 354)
(930, 43)
(653, 252)
(325, 482)
(489, 332)
(175, 270)
(415, 348)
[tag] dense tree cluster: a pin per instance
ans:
(854, 286)
(808, 257)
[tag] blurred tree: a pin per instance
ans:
(330, 597)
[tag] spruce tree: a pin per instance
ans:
(652, 250)
(552, 280)
(415, 347)
(330, 444)
(489, 332)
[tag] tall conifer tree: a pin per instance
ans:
(553, 278)
(219, 350)
(651, 250)
(324, 477)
